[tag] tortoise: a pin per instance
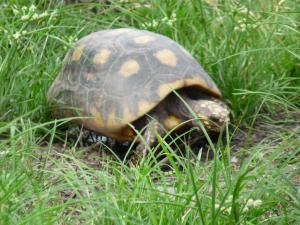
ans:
(124, 81)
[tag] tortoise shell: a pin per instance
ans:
(114, 77)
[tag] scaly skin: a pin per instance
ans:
(173, 113)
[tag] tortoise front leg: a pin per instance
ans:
(147, 142)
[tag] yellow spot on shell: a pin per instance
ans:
(171, 122)
(95, 122)
(144, 107)
(111, 126)
(95, 114)
(127, 116)
(196, 81)
(129, 68)
(167, 88)
(78, 52)
(102, 56)
(90, 77)
(114, 122)
(143, 39)
(166, 57)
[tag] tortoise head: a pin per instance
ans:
(213, 113)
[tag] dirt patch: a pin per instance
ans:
(281, 131)
(267, 130)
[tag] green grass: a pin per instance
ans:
(253, 55)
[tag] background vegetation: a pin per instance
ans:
(250, 48)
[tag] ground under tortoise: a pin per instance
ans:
(128, 80)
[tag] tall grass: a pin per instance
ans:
(250, 48)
